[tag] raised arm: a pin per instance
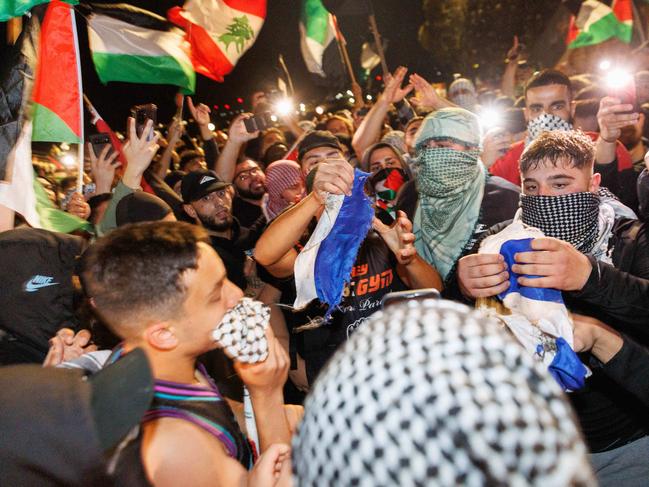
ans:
(274, 249)
(369, 130)
(237, 138)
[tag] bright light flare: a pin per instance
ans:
(605, 65)
(69, 160)
(302, 107)
(490, 117)
(284, 106)
(211, 126)
(319, 110)
(618, 78)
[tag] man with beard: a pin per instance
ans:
(207, 200)
(250, 183)
(549, 106)
(601, 265)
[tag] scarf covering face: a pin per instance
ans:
(451, 186)
(545, 123)
(573, 218)
(440, 395)
(386, 184)
(469, 100)
(280, 176)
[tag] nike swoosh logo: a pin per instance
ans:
(30, 287)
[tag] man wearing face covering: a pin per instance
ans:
(549, 106)
(462, 93)
(601, 265)
(453, 199)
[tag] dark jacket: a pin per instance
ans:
(232, 251)
(610, 414)
(499, 203)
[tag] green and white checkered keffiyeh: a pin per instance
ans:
(451, 186)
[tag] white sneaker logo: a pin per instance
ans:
(37, 282)
(205, 179)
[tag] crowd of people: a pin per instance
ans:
(397, 381)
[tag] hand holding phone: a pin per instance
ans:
(143, 113)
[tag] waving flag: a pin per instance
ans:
(316, 35)
(57, 103)
(326, 262)
(597, 22)
(219, 31)
(137, 46)
(39, 43)
(16, 8)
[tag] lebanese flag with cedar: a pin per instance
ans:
(219, 32)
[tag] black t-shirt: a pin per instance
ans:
(374, 275)
(232, 251)
(245, 212)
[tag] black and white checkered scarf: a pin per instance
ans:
(433, 393)
(573, 218)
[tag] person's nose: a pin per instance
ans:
(545, 190)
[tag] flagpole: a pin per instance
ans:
(342, 44)
(81, 98)
(377, 38)
(288, 75)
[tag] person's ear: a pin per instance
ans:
(189, 209)
(161, 336)
(595, 181)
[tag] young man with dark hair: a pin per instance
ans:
(601, 264)
(549, 106)
(386, 260)
(161, 287)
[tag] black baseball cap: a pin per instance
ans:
(140, 207)
(315, 139)
(197, 184)
(58, 426)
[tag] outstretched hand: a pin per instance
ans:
(393, 93)
(138, 152)
(398, 237)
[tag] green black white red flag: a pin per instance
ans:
(137, 46)
(597, 22)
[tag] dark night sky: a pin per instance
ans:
(398, 21)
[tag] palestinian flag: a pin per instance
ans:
(316, 35)
(21, 192)
(137, 46)
(16, 8)
(597, 22)
(219, 32)
(57, 104)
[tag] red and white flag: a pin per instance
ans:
(219, 31)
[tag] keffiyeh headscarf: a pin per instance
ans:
(572, 217)
(462, 92)
(280, 176)
(451, 186)
(545, 123)
(432, 393)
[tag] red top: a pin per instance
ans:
(507, 166)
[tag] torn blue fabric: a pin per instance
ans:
(338, 250)
(566, 368)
